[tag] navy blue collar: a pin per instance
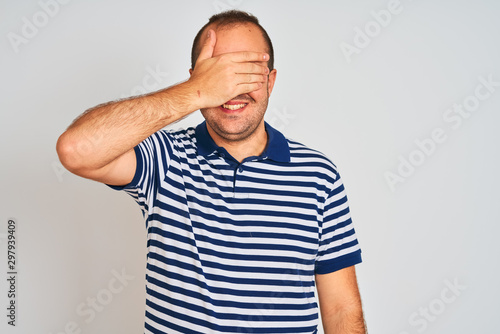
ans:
(277, 146)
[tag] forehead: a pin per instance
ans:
(238, 37)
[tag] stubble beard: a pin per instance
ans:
(234, 128)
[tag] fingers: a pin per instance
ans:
(249, 56)
(252, 68)
(250, 78)
(246, 88)
(207, 49)
(250, 75)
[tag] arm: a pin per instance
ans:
(340, 302)
(99, 145)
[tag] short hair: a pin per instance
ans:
(232, 18)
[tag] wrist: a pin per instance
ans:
(174, 102)
(190, 95)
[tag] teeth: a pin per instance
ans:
(233, 106)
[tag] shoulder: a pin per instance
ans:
(179, 135)
(168, 143)
(303, 155)
(176, 138)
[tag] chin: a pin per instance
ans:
(233, 133)
(232, 127)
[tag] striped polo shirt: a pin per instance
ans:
(234, 247)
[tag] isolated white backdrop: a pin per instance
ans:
(371, 108)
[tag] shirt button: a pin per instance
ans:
(222, 155)
(240, 169)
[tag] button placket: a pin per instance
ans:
(237, 171)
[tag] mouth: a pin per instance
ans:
(231, 106)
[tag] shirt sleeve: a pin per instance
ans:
(338, 246)
(153, 157)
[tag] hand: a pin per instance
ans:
(219, 79)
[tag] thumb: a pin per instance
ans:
(207, 49)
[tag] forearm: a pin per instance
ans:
(107, 131)
(344, 321)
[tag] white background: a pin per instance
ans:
(438, 223)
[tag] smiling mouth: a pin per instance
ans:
(234, 107)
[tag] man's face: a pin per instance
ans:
(239, 124)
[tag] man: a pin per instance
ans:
(242, 223)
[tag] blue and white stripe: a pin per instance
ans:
(233, 248)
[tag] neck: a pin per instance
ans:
(252, 145)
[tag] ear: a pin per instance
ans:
(190, 72)
(270, 81)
